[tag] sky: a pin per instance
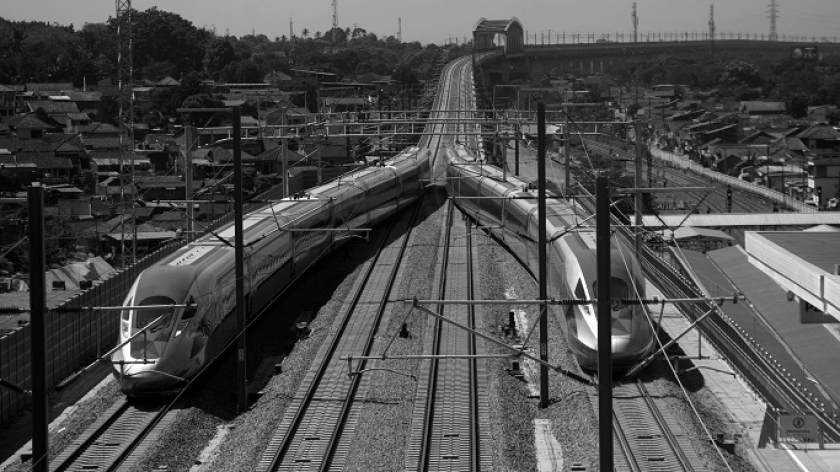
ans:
(439, 21)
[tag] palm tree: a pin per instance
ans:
(305, 32)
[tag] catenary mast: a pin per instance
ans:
(125, 72)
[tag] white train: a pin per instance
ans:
(282, 240)
(572, 262)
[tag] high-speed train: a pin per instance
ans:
(193, 290)
(508, 210)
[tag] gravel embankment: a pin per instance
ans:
(384, 415)
(75, 423)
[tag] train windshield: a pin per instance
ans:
(151, 344)
(622, 314)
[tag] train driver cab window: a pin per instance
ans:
(152, 344)
(580, 294)
(618, 291)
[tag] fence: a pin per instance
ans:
(76, 337)
(685, 163)
(554, 38)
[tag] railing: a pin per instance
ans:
(555, 38)
(683, 162)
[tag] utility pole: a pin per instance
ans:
(635, 18)
(188, 181)
(399, 29)
(774, 13)
(38, 307)
(602, 241)
(543, 256)
(239, 249)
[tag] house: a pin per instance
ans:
(28, 126)
(11, 102)
(165, 187)
(762, 108)
(58, 110)
(89, 103)
(168, 82)
(822, 140)
(826, 179)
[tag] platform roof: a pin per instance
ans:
(803, 262)
(720, 220)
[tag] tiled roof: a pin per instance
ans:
(30, 121)
(46, 162)
(99, 128)
(49, 87)
(53, 108)
(102, 143)
(819, 132)
(763, 107)
(84, 96)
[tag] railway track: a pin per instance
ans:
(311, 433)
(648, 436)
(117, 434)
(665, 176)
(451, 416)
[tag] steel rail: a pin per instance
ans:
(368, 346)
(426, 438)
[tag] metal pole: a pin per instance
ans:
(284, 166)
(38, 304)
(638, 184)
(567, 182)
(516, 152)
(241, 380)
(188, 176)
(542, 254)
(605, 432)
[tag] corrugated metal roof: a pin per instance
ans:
(720, 220)
(821, 249)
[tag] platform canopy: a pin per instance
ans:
(689, 233)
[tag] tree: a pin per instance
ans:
(219, 54)
(740, 72)
(161, 36)
(203, 118)
(305, 33)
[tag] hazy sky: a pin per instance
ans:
(436, 20)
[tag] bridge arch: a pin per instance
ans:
(486, 31)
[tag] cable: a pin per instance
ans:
(670, 366)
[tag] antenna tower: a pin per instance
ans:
(125, 84)
(712, 22)
(635, 18)
(399, 29)
(335, 13)
(291, 29)
(774, 13)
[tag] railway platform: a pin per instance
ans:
(743, 406)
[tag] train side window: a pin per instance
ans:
(190, 310)
(580, 294)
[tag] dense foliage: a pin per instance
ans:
(799, 84)
(165, 44)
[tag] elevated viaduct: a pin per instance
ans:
(598, 57)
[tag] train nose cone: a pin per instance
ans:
(620, 345)
(151, 383)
